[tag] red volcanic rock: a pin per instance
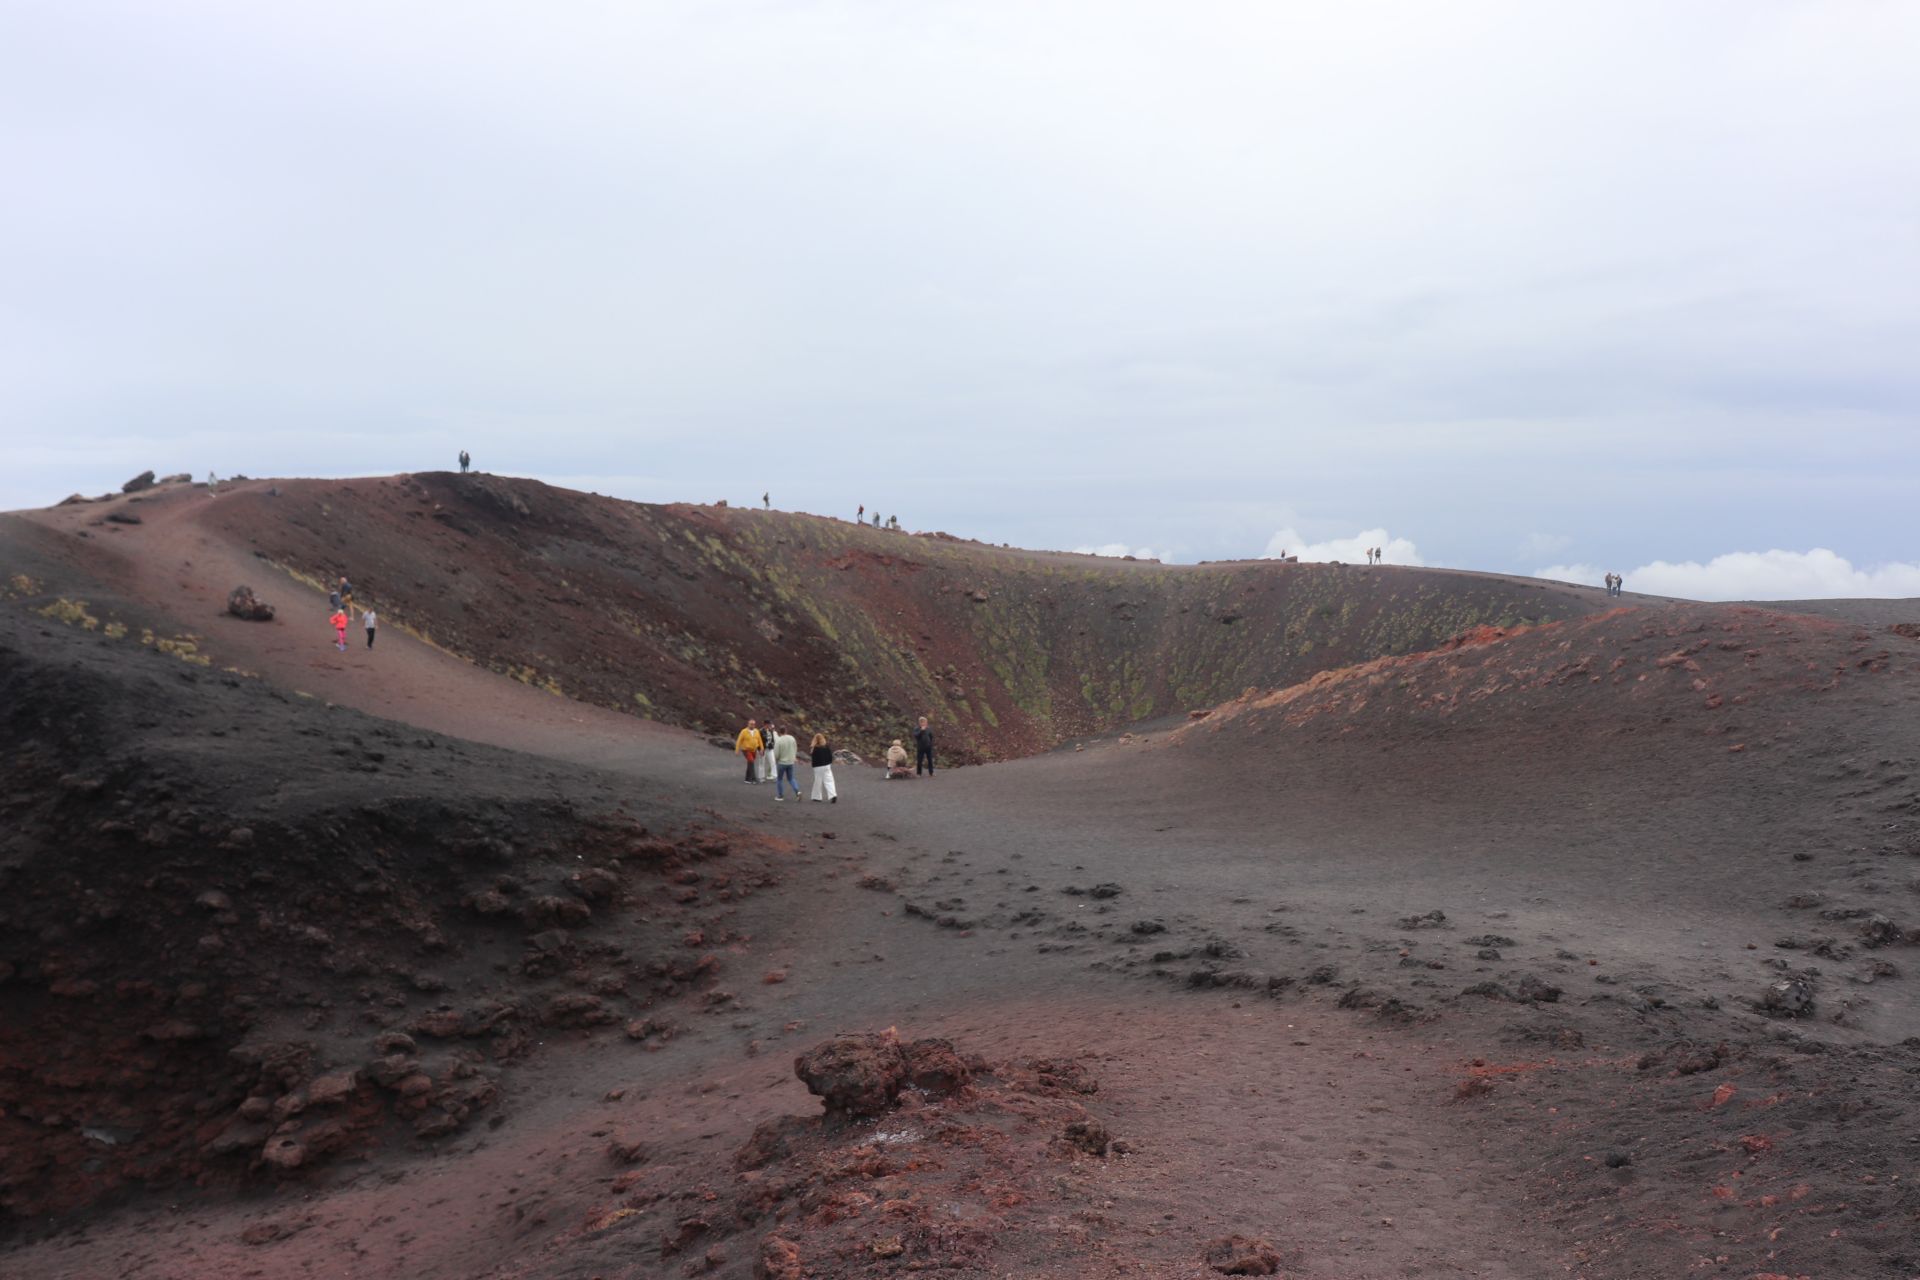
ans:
(933, 1065)
(854, 1075)
(1241, 1256)
(779, 1260)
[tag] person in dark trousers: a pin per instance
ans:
(923, 748)
(372, 621)
(465, 462)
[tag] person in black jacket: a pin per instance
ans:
(923, 748)
(822, 761)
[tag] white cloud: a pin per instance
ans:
(1289, 542)
(1818, 574)
(1122, 549)
(1538, 546)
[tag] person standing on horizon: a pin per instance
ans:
(785, 752)
(766, 500)
(748, 745)
(371, 622)
(923, 748)
(465, 461)
(821, 758)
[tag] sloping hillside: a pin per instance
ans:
(700, 616)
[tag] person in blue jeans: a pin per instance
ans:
(785, 749)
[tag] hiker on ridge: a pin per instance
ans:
(923, 748)
(821, 758)
(766, 500)
(748, 745)
(465, 462)
(785, 752)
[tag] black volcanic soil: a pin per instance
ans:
(1494, 961)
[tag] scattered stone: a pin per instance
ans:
(1088, 1135)
(626, 1150)
(122, 517)
(1428, 920)
(855, 1075)
(1788, 998)
(139, 483)
(1241, 1256)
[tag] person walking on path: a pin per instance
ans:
(785, 752)
(333, 599)
(371, 622)
(897, 761)
(465, 462)
(923, 748)
(822, 761)
(748, 744)
(763, 768)
(339, 621)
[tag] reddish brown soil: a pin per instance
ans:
(1460, 964)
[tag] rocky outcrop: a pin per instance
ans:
(242, 603)
(140, 482)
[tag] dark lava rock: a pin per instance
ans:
(242, 603)
(1241, 1256)
(1429, 920)
(1087, 1135)
(1491, 940)
(1108, 890)
(1146, 928)
(1531, 990)
(142, 481)
(1618, 1159)
(1789, 998)
(122, 517)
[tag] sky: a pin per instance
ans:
(1560, 288)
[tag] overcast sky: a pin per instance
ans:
(1513, 286)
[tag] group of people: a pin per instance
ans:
(1614, 583)
(1375, 555)
(860, 517)
(772, 753)
(340, 600)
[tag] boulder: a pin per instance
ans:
(242, 603)
(178, 477)
(142, 481)
(856, 1075)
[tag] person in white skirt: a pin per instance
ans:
(822, 759)
(763, 767)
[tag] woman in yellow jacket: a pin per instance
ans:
(749, 745)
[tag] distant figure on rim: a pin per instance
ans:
(923, 748)
(862, 517)
(465, 461)
(766, 499)
(822, 761)
(748, 745)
